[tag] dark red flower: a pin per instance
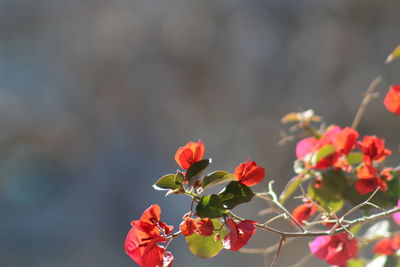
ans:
(304, 212)
(335, 249)
(373, 148)
(345, 140)
(141, 243)
(384, 247)
(365, 186)
(204, 227)
(249, 173)
(190, 153)
(239, 234)
(392, 99)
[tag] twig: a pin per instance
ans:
(278, 250)
(369, 95)
(276, 202)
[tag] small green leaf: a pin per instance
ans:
(197, 168)
(355, 229)
(210, 206)
(330, 195)
(290, 188)
(322, 153)
(217, 177)
(206, 246)
(235, 193)
(166, 182)
(354, 158)
(355, 263)
(179, 178)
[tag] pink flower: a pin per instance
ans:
(335, 249)
(396, 216)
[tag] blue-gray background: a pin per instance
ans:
(95, 97)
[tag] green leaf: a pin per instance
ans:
(206, 246)
(210, 206)
(197, 168)
(235, 193)
(290, 188)
(166, 182)
(355, 229)
(321, 154)
(330, 195)
(179, 178)
(217, 177)
(393, 190)
(355, 263)
(354, 158)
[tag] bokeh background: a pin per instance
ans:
(96, 96)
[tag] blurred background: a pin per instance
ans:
(96, 96)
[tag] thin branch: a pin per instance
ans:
(369, 95)
(277, 251)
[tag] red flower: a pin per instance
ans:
(345, 140)
(190, 153)
(141, 243)
(365, 186)
(373, 148)
(392, 99)
(239, 234)
(204, 227)
(304, 212)
(384, 247)
(335, 249)
(150, 221)
(367, 171)
(249, 173)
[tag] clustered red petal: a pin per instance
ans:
(141, 243)
(373, 148)
(190, 153)
(204, 227)
(334, 249)
(304, 212)
(249, 173)
(392, 99)
(239, 234)
(342, 140)
(387, 246)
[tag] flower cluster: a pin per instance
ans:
(334, 164)
(143, 241)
